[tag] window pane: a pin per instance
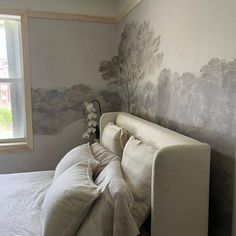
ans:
(6, 123)
(10, 49)
(3, 52)
(18, 109)
(11, 111)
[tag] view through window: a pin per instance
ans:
(12, 107)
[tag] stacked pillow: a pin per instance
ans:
(136, 164)
(114, 138)
(72, 193)
(103, 156)
(111, 176)
(68, 200)
(76, 155)
(111, 213)
(137, 160)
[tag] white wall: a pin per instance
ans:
(90, 7)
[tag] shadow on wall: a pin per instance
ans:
(54, 109)
(202, 107)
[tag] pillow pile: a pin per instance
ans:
(125, 201)
(114, 138)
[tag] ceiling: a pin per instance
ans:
(86, 7)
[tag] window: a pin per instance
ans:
(15, 99)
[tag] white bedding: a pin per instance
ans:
(21, 198)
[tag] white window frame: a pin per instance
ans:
(26, 144)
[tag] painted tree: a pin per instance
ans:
(138, 54)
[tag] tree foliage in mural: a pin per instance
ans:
(138, 54)
(194, 105)
(202, 103)
(54, 109)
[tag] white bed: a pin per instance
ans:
(180, 184)
(180, 177)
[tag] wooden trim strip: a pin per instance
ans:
(59, 16)
(68, 16)
(11, 12)
(15, 147)
(26, 63)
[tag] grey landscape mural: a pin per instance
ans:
(54, 109)
(201, 106)
(138, 55)
(205, 104)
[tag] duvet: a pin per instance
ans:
(21, 199)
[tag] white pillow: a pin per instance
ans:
(76, 155)
(111, 213)
(99, 220)
(114, 138)
(103, 156)
(68, 200)
(137, 169)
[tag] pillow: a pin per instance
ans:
(68, 200)
(103, 156)
(76, 155)
(137, 169)
(99, 220)
(114, 138)
(111, 213)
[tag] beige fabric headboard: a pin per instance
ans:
(180, 177)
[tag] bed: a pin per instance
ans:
(180, 177)
(179, 186)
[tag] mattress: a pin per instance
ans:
(21, 199)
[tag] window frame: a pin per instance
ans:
(22, 144)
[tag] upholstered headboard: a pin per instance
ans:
(180, 177)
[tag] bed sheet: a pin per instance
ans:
(21, 199)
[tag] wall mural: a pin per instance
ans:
(202, 107)
(138, 55)
(205, 103)
(54, 109)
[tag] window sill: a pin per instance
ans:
(15, 147)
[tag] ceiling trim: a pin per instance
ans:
(11, 12)
(69, 16)
(74, 17)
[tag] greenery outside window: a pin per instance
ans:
(15, 97)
